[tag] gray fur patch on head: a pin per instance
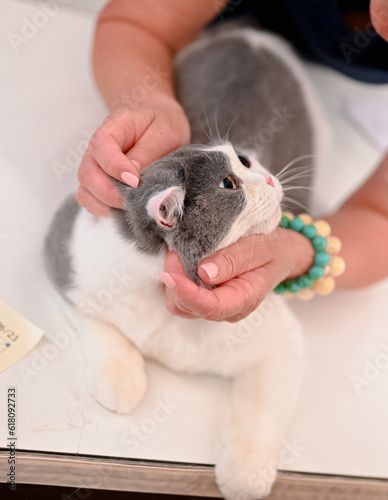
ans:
(208, 211)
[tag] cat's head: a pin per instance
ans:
(199, 199)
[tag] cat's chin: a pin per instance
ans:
(265, 227)
(270, 224)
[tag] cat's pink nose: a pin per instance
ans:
(269, 181)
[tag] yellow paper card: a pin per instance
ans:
(17, 336)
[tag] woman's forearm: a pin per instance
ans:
(364, 237)
(362, 225)
(135, 43)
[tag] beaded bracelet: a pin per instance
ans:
(327, 265)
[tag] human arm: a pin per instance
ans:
(134, 48)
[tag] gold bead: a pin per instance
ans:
(323, 228)
(324, 286)
(334, 245)
(289, 215)
(305, 294)
(306, 218)
(288, 295)
(337, 265)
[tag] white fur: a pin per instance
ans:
(120, 300)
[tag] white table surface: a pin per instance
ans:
(49, 104)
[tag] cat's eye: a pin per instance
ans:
(244, 160)
(230, 182)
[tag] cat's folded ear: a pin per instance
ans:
(166, 206)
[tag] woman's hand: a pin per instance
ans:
(379, 16)
(126, 142)
(243, 274)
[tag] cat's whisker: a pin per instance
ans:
(205, 132)
(292, 162)
(226, 136)
(296, 171)
(302, 168)
(270, 239)
(299, 175)
(292, 200)
(209, 134)
(290, 188)
(296, 176)
(252, 248)
(215, 118)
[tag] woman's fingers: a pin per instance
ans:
(107, 145)
(93, 179)
(157, 141)
(379, 16)
(245, 255)
(230, 301)
(126, 142)
(91, 203)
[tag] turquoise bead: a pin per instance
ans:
(319, 243)
(284, 221)
(316, 272)
(305, 282)
(296, 224)
(309, 231)
(280, 289)
(292, 286)
(321, 258)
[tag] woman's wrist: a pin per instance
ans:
(294, 251)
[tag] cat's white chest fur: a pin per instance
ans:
(117, 284)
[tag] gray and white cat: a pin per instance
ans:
(195, 201)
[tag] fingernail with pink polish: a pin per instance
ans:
(168, 280)
(130, 179)
(210, 269)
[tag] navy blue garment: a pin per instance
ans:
(318, 31)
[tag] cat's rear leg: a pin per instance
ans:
(115, 374)
(263, 401)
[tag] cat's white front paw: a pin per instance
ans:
(245, 473)
(117, 383)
